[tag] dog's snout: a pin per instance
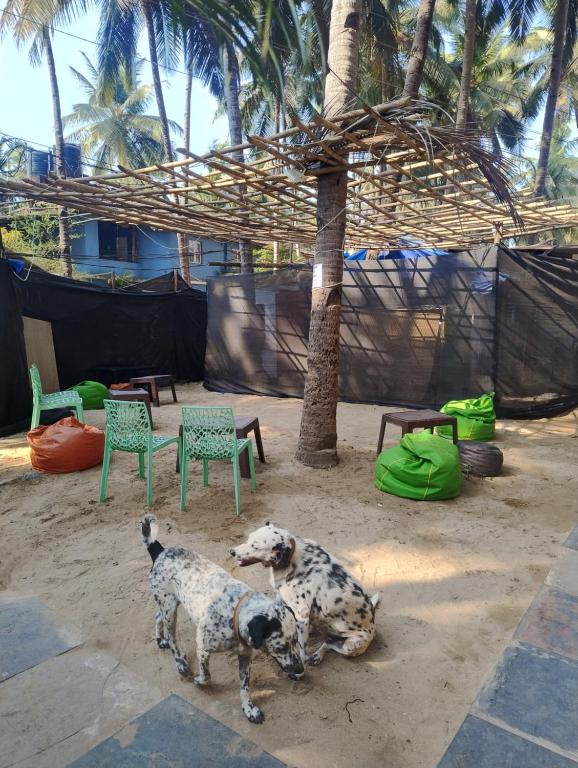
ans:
(296, 671)
(232, 552)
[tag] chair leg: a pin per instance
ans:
(237, 483)
(35, 416)
(184, 477)
(79, 413)
(252, 466)
(149, 478)
(141, 472)
(174, 392)
(104, 475)
(205, 472)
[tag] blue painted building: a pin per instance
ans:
(102, 247)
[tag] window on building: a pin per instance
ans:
(195, 249)
(115, 241)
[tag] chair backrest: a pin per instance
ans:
(36, 382)
(209, 432)
(128, 426)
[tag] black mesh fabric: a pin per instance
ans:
(537, 344)
(415, 332)
(96, 330)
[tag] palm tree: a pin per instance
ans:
(500, 84)
(419, 49)
(558, 45)
(24, 20)
(112, 126)
(317, 444)
(467, 63)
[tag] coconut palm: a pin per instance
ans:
(317, 444)
(113, 126)
(560, 33)
(500, 81)
(28, 24)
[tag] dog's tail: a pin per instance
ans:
(149, 528)
(374, 599)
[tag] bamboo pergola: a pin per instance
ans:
(407, 177)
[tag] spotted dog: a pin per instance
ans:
(228, 615)
(316, 587)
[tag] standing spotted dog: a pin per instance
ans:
(316, 587)
(228, 615)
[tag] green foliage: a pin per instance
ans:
(34, 231)
(112, 127)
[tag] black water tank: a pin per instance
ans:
(72, 160)
(38, 162)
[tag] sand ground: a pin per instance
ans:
(455, 577)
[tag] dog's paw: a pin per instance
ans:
(314, 659)
(183, 669)
(162, 643)
(254, 715)
(200, 680)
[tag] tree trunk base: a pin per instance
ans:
(322, 459)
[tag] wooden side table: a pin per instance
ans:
(133, 394)
(410, 420)
(154, 383)
(243, 425)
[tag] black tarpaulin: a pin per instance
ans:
(416, 332)
(15, 394)
(96, 329)
(537, 345)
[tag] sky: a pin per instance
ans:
(26, 101)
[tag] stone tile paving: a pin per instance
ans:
(483, 745)
(64, 704)
(175, 733)
(526, 715)
(29, 634)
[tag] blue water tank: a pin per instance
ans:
(39, 163)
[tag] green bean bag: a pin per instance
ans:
(476, 418)
(92, 394)
(422, 466)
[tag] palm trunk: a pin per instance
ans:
(560, 22)
(187, 116)
(63, 221)
(468, 64)
(149, 23)
(414, 72)
(232, 84)
(317, 444)
(154, 60)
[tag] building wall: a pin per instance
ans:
(157, 254)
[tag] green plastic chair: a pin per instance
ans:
(209, 434)
(42, 402)
(128, 428)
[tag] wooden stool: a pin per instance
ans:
(132, 394)
(156, 382)
(410, 420)
(243, 425)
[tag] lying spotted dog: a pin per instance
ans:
(228, 615)
(316, 587)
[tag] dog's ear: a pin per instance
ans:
(268, 522)
(260, 628)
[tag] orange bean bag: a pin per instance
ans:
(66, 446)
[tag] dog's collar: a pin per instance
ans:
(236, 618)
